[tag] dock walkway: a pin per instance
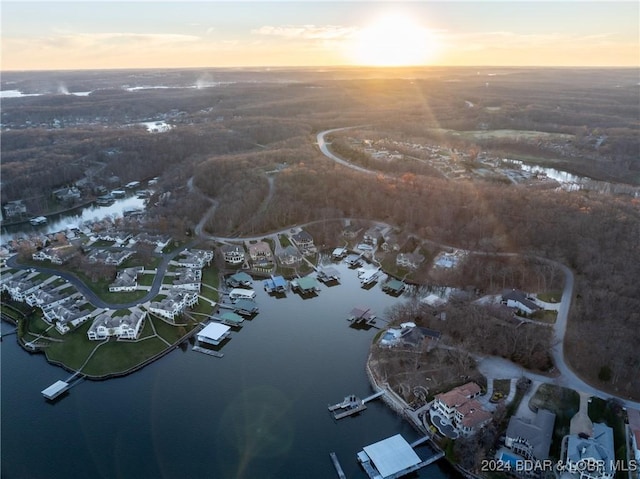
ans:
(337, 465)
(210, 352)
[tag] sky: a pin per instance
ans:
(91, 34)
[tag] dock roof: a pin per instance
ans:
(231, 317)
(392, 455)
(55, 389)
(213, 331)
(394, 285)
(307, 283)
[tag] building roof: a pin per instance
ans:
(460, 395)
(392, 455)
(213, 331)
(537, 433)
(520, 297)
(394, 285)
(231, 317)
(307, 283)
(599, 447)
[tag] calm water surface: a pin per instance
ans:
(259, 412)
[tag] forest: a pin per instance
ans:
(249, 144)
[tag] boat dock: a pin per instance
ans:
(210, 352)
(351, 404)
(59, 387)
(337, 465)
(326, 274)
(360, 315)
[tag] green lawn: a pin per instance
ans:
(284, 240)
(146, 279)
(119, 356)
(75, 349)
(550, 296)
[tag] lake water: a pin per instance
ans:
(73, 219)
(259, 412)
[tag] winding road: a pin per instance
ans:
(490, 366)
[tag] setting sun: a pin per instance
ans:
(394, 40)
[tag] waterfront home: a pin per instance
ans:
(67, 195)
(19, 287)
(595, 450)
(14, 208)
(46, 295)
(195, 258)
(122, 327)
(459, 408)
(373, 235)
(232, 253)
(518, 300)
(173, 304)
(528, 439)
(290, 256)
(126, 279)
(240, 279)
(189, 279)
(56, 254)
(66, 315)
(304, 242)
(38, 220)
(260, 253)
(392, 242)
(409, 260)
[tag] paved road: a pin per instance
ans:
(322, 144)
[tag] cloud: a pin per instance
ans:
(309, 32)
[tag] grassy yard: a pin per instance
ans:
(550, 296)
(119, 356)
(146, 279)
(75, 349)
(545, 316)
(284, 240)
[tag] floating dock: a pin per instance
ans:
(327, 274)
(337, 465)
(275, 284)
(351, 405)
(304, 286)
(210, 352)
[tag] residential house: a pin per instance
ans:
(409, 260)
(530, 439)
(46, 296)
(392, 242)
(15, 208)
(56, 254)
(290, 256)
(373, 235)
(195, 258)
(66, 315)
(304, 241)
(518, 300)
(19, 287)
(159, 241)
(189, 279)
(174, 304)
(113, 258)
(233, 253)
(260, 253)
(590, 457)
(126, 279)
(122, 327)
(459, 408)
(118, 237)
(67, 195)
(448, 260)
